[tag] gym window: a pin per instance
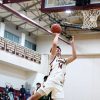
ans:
(30, 45)
(11, 37)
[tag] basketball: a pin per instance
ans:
(56, 28)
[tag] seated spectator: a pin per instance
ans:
(22, 93)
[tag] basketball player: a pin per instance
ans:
(56, 78)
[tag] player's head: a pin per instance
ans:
(22, 86)
(45, 78)
(38, 85)
(58, 51)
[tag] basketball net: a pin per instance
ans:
(90, 18)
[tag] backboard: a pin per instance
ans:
(62, 5)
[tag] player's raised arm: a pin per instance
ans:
(74, 56)
(54, 45)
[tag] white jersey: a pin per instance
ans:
(58, 72)
(55, 80)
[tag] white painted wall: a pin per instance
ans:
(83, 46)
(24, 63)
(82, 80)
(39, 78)
(12, 28)
(22, 39)
(2, 29)
(30, 38)
(11, 76)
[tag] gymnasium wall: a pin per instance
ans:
(20, 63)
(27, 69)
(12, 28)
(85, 44)
(11, 76)
(16, 76)
(82, 79)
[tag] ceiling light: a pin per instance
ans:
(68, 11)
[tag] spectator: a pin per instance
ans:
(38, 85)
(5, 96)
(6, 89)
(28, 94)
(17, 94)
(11, 93)
(22, 93)
(48, 97)
(1, 96)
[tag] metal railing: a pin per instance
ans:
(19, 50)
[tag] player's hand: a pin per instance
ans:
(72, 41)
(56, 34)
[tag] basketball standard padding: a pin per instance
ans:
(56, 28)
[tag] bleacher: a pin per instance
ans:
(19, 50)
(16, 93)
